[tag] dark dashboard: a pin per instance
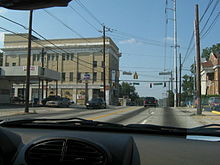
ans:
(34, 146)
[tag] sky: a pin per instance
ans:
(137, 28)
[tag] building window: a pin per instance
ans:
(95, 76)
(53, 57)
(63, 57)
(102, 76)
(94, 64)
(6, 64)
(34, 57)
(67, 57)
(71, 76)
(14, 64)
(63, 76)
(78, 76)
(103, 64)
(38, 57)
(72, 56)
(48, 57)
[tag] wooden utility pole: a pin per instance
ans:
(28, 64)
(180, 79)
(198, 63)
(104, 84)
(42, 65)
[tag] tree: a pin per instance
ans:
(170, 100)
(127, 90)
(207, 51)
(187, 86)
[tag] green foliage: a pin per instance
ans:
(207, 51)
(170, 100)
(188, 89)
(127, 90)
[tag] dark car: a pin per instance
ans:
(50, 98)
(150, 101)
(96, 103)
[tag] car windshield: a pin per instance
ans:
(147, 62)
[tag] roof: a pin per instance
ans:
(207, 64)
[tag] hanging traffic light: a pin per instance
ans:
(135, 75)
(150, 85)
(164, 84)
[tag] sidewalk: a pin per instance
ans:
(207, 117)
(9, 110)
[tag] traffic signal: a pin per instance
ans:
(164, 84)
(150, 85)
(135, 75)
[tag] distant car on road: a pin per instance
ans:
(59, 102)
(214, 103)
(150, 101)
(96, 103)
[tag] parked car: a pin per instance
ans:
(59, 102)
(50, 98)
(96, 103)
(214, 103)
(150, 101)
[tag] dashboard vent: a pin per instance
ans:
(65, 152)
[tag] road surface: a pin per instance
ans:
(123, 115)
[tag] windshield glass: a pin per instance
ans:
(144, 62)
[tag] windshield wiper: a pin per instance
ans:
(157, 128)
(61, 122)
(209, 129)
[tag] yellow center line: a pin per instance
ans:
(216, 112)
(109, 114)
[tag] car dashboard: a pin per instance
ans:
(38, 146)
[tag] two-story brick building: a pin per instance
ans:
(210, 75)
(73, 58)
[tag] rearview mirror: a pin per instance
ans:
(32, 4)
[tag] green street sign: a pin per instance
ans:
(158, 83)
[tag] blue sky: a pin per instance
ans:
(138, 30)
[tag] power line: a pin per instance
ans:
(216, 4)
(207, 8)
(84, 18)
(89, 12)
(211, 26)
(68, 27)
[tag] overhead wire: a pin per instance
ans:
(84, 19)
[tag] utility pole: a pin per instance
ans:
(175, 55)
(57, 56)
(198, 63)
(28, 63)
(180, 79)
(42, 65)
(86, 91)
(104, 85)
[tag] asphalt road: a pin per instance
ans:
(122, 115)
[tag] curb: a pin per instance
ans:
(216, 112)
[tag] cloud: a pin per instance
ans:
(169, 38)
(129, 41)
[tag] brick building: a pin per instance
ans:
(210, 75)
(73, 58)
